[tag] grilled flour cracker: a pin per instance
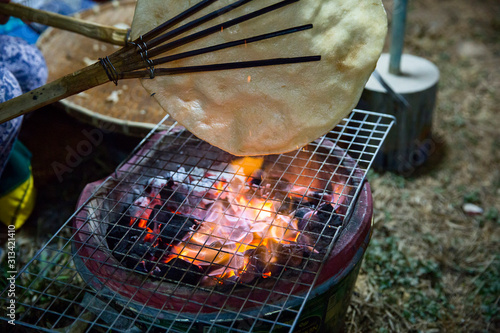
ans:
(265, 110)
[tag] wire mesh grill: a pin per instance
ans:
(113, 266)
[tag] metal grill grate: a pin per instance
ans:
(83, 278)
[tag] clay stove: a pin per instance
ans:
(185, 227)
(185, 237)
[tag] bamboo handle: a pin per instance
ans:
(54, 91)
(93, 30)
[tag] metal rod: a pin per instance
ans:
(173, 21)
(219, 67)
(195, 23)
(222, 46)
(397, 36)
(216, 28)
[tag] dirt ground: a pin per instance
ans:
(431, 266)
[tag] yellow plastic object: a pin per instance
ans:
(17, 205)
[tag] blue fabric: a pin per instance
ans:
(25, 61)
(9, 88)
(15, 27)
(22, 68)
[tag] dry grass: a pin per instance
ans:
(431, 267)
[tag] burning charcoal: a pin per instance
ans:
(249, 275)
(173, 226)
(170, 184)
(245, 279)
(202, 185)
(227, 283)
(173, 199)
(306, 244)
(179, 270)
(130, 252)
(322, 222)
(232, 280)
(215, 245)
(326, 214)
(280, 189)
(123, 218)
(172, 180)
(290, 254)
(147, 265)
(304, 215)
(117, 233)
(260, 258)
(315, 198)
(256, 178)
(301, 212)
(141, 267)
(258, 263)
(288, 204)
(155, 185)
(179, 176)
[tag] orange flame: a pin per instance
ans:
(236, 227)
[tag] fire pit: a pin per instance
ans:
(184, 237)
(185, 227)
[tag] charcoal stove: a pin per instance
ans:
(185, 237)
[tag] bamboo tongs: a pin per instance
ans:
(139, 58)
(89, 29)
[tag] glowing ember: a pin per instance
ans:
(228, 225)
